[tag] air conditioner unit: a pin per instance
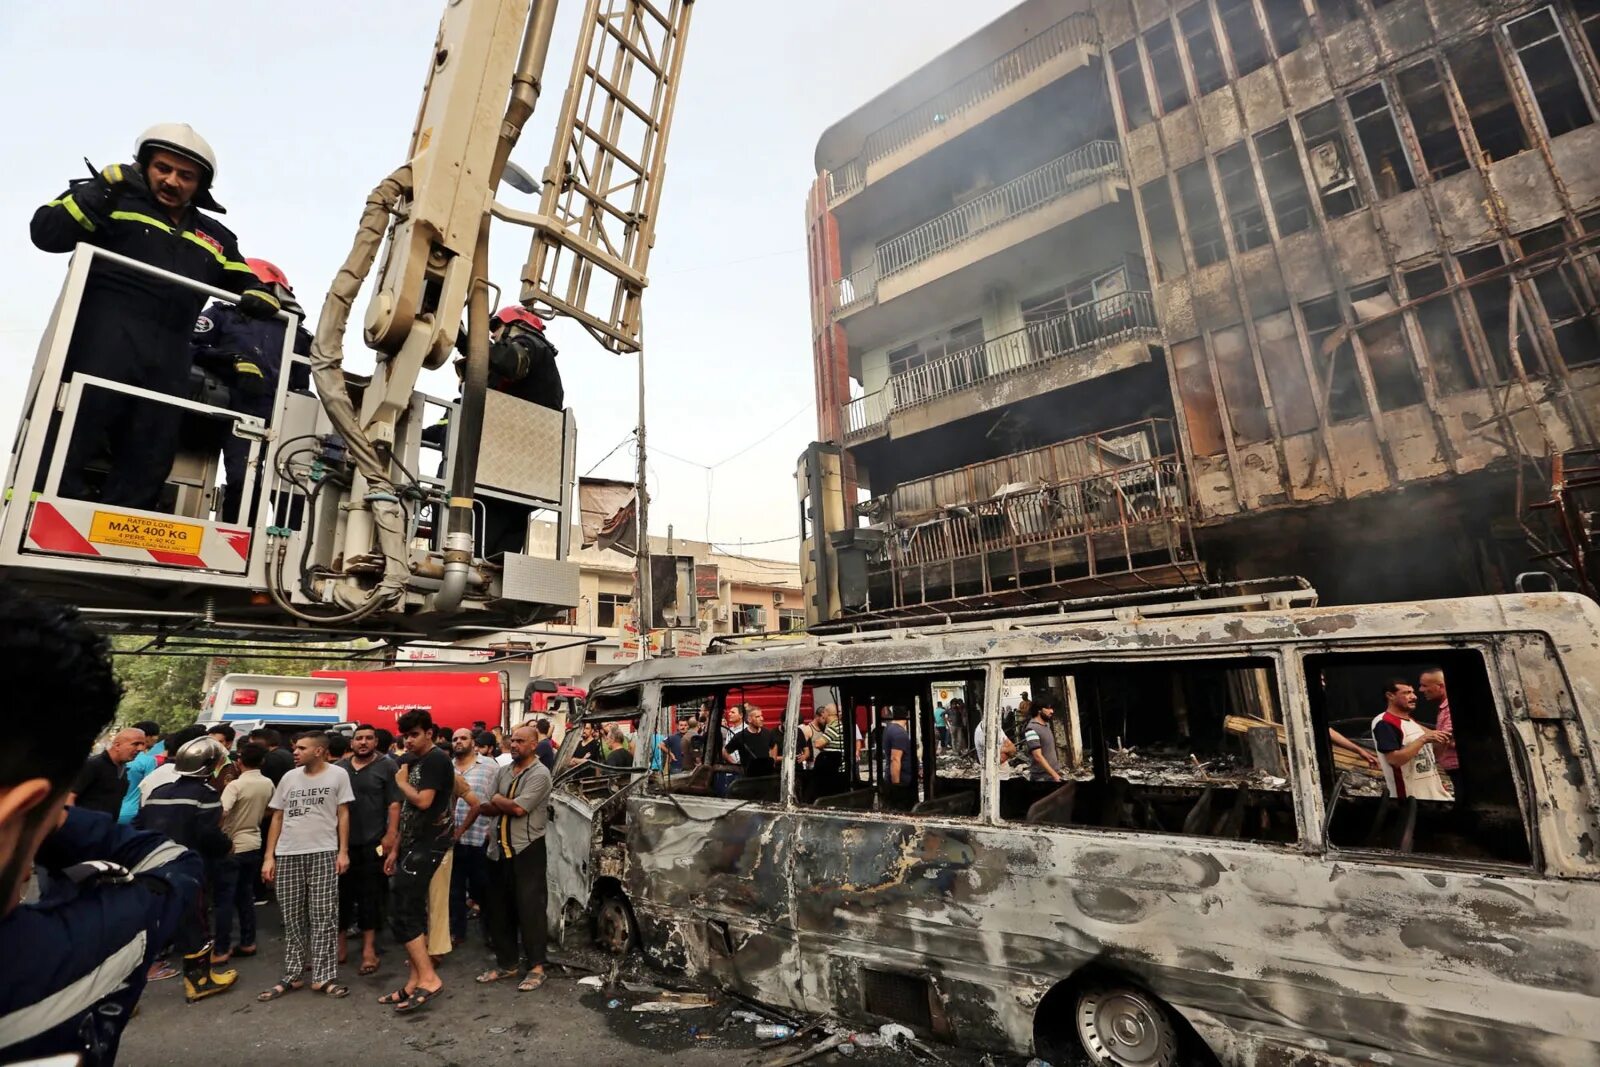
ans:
(777, 597)
(721, 614)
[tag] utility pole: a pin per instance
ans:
(641, 498)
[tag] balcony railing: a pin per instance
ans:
(857, 287)
(1082, 166)
(1077, 330)
(1074, 31)
(1110, 320)
(1139, 494)
(1092, 508)
(865, 412)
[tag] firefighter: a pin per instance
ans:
(132, 327)
(73, 963)
(522, 363)
(189, 811)
(247, 354)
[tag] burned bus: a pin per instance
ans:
(1214, 878)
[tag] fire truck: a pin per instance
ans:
(346, 530)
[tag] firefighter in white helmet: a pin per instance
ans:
(132, 327)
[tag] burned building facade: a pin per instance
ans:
(1126, 292)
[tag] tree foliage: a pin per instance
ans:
(169, 689)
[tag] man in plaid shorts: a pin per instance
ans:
(307, 850)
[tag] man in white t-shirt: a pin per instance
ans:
(307, 850)
(1405, 747)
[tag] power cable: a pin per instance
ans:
(729, 459)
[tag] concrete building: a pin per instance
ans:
(735, 594)
(1115, 293)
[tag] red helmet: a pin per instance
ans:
(268, 273)
(518, 313)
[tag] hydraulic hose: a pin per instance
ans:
(327, 367)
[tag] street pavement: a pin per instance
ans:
(470, 1025)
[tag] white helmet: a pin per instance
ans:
(180, 137)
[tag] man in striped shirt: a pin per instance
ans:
(469, 867)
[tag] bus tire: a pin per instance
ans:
(615, 929)
(1121, 1025)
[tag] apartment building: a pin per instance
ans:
(1115, 293)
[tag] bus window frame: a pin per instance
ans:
(1488, 648)
(932, 671)
(791, 710)
(1296, 721)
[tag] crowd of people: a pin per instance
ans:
(162, 846)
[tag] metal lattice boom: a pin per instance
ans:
(597, 213)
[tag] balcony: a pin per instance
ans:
(961, 106)
(1111, 510)
(1093, 327)
(1082, 167)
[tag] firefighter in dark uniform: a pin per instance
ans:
(73, 963)
(522, 363)
(134, 328)
(189, 812)
(247, 355)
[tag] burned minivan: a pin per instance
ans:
(1246, 830)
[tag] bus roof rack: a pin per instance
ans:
(1255, 594)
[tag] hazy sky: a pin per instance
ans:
(309, 104)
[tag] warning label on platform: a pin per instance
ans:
(152, 535)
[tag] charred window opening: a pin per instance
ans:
(1410, 792)
(733, 746)
(1335, 13)
(1338, 378)
(1422, 91)
(1155, 202)
(1204, 58)
(1548, 67)
(1331, 172)
(1380, 141)
(1245, 217)
(1394, 372)
(1180, 747)
(1286, 19)
(1567, 304)
(1130, 84)
(875, 743)
(1589, 20)
(1481, 80)
(591, 737)
(1286, 373)
(1491, 300)
(1441, 333)
(1199, 398)
(1163, 49)
(1286, 182)
(1200, 209)
(1247, 411)
(1245, 40)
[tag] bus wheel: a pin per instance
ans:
(1123, 1026)
(614, 926)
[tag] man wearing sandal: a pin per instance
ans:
(518, 926)
(307, 850)
(426, 781)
